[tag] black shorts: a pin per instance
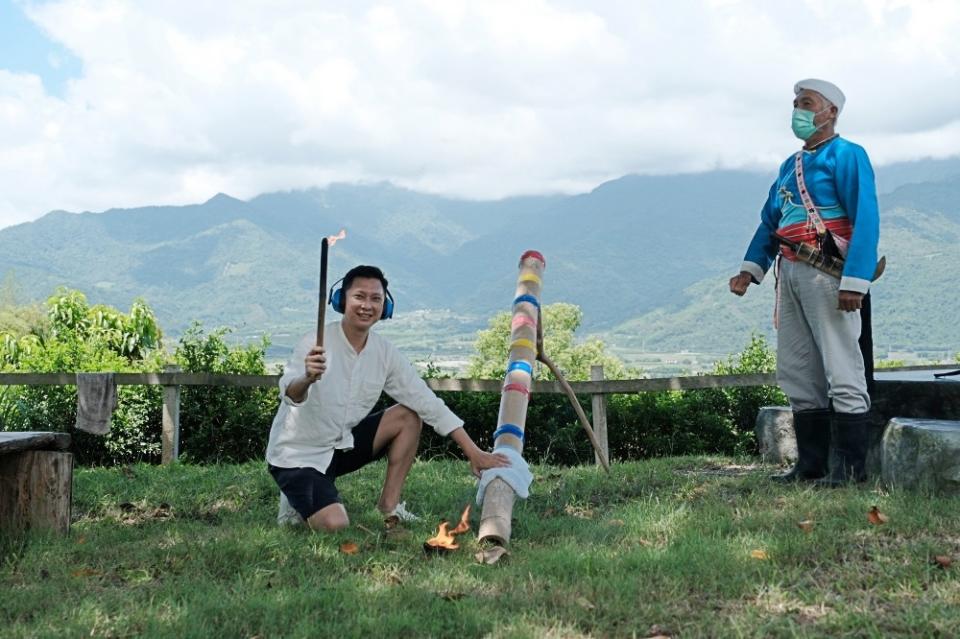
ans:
(308, 490)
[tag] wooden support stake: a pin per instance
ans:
(36, 491)
(599, 452)
(600, 419)
(171, 421)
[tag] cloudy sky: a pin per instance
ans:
(111, 103)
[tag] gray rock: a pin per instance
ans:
(922, 453)
(775, 436)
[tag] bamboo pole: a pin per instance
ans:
(495, 519)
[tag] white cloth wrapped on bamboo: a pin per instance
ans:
(517, 475)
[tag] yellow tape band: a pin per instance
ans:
(524, 343)
(530, 277)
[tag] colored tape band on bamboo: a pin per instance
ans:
(536, 255)
(530, 299)
(508, 429)
(520, 365)
(520, 388)
(523, 320)
(530, 277)
(523, 343)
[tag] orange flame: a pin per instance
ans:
(446, 539)
(332, 239)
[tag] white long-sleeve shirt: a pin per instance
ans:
(305, 434)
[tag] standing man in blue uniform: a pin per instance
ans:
(824, 196)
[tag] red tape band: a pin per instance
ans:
(520, 388)
(534, 254)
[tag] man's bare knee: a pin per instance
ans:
(329, 519)
(411, 421)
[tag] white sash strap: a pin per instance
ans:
(813, 216)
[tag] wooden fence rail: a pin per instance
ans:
(598, 387)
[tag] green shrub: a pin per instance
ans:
(220, 423)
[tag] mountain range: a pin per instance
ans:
(645, 257)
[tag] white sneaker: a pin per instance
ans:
(401, 513)
(287, 515)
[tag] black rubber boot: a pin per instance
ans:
(813, 444)
(850, 436)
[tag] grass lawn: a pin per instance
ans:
(685, 547)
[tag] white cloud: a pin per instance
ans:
(179, 100)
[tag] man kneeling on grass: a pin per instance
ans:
(324, 427)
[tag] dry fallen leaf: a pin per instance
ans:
(944, 561)
(349, 548)
(85, 572)
(656, 632)
(491, 556)
(876, 517)
(583, 602)
(759, 554)
(577, 511)
(806, 525)
(616, 522)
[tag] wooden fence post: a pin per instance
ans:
(171, 420)
(599, 414)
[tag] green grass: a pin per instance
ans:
(192, 551)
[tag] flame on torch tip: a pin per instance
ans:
(332, 239)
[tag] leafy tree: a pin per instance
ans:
(131, 335)
(17, 319)
(560, 323)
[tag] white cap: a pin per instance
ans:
(827, 89)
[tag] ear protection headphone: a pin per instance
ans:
(338, 302)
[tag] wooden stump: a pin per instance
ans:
(36, 490)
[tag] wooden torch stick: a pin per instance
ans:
(570, 395)
(322, 308)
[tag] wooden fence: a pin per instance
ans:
(598, 387)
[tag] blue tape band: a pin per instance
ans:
(508, 429)
(520, 365)
(527, 298)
